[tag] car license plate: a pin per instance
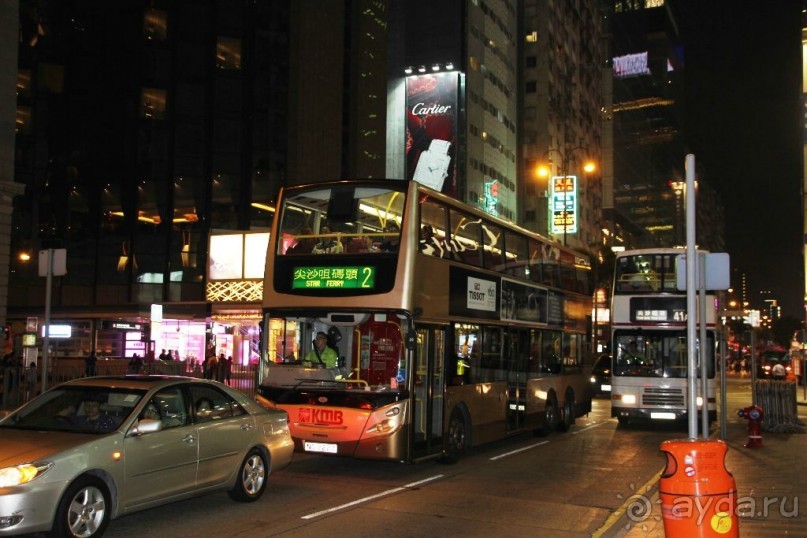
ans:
(605, 387)
(327, 448)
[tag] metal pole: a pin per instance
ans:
(705, 351)
(692, 408)
(565, 166)
(723, 404)
(46, 343)
(753, 366)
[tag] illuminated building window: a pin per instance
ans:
(23, 119)
(24, 83)
(228, 53)
(152, 104)
(155, 25)
(532, 37)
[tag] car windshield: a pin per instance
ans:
(76, 409)
(772, 357)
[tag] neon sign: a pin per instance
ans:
(491, 197)
(333, 277)
(563, 205)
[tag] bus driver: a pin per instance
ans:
(321, 356)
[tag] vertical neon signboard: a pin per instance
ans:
(563, 205)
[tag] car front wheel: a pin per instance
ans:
(83, 510)
(251, 480)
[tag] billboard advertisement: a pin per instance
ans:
(431, 130)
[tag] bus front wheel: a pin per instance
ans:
(456, 438)
(550, 417)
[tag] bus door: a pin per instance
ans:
(380, 347)
(516, 352)
(429, 386)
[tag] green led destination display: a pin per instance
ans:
(333, 277)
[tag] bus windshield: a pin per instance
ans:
(663, 354)
(341, 220)
(338, 351)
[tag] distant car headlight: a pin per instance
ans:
(21, 474)
(593, 379)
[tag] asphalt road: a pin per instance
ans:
(563, 485)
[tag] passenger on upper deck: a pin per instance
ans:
(329, 244)
(305, 242)
(393, 239)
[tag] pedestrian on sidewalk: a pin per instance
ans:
(30, 381)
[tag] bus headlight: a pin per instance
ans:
(386, 421)
(629, 399)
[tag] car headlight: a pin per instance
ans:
(21, 474)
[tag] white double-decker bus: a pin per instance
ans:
(649, 339)
(436, 326)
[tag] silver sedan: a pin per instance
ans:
(95, 449)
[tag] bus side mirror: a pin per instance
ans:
(411, 340)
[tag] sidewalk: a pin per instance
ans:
(770, 479)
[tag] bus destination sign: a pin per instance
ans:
(334, 277)
(658, 309)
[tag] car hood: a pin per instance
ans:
(23, 446)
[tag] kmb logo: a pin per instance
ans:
(312, 415)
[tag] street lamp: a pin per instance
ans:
(565, 182)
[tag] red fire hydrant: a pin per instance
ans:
(754, 416)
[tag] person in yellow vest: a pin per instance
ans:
(321, 356)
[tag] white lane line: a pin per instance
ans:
(589, 428)
(371, 497)
(500, 456)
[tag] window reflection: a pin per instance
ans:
(152, 104)
(155, 24)
(228, 53)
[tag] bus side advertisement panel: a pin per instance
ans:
(474, 294)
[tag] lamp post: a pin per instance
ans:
(565, 160)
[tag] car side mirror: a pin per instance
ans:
(146, 425)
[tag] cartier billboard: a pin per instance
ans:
(431, 130)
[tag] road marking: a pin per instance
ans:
(589, 428)
(500, 456)
(614, 518)
(371, 497)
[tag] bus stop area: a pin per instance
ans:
(771, 490)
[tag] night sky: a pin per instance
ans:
(743, 76)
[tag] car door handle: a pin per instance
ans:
(190, 438)
(246, 427)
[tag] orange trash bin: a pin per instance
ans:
(698, 494)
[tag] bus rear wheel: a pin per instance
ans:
(567, 419)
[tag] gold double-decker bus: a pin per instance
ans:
(400, 324)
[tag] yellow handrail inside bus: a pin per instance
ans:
(361, 382)
(386, 210)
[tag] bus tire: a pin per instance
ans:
(567, 416)
(456, 438)
(550, 417)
